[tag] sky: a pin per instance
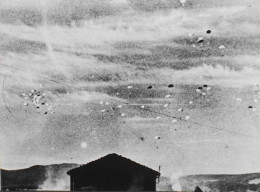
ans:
(93, 62)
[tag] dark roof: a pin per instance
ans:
(111, 157)
(198, 189)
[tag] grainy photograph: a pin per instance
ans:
(130, 95)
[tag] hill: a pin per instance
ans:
(222, 183)
(54, 177)
(37, 177)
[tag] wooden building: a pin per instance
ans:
(113, 173)
(197, 189)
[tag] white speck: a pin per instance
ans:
(193, 45)
(191, 102)
(198, 90)
(254, 109)
(200, 39)
(166, 105)
(83, 145)
(183, 2)
(43, 94)
(119, 106)
(123, 114)
(157, 137)
(190, 34)
(117, 93)
(180, 110)
(24, 95)
(208, 88)
(37, 101)
(101, 102)
(221, 47)
(47, 104)
(52, 112)
(204, 93)
(26, 98)
(176, 187)
(174, 120)
(187, 117)
(255, 100)
(32, 90)
(26, 104)
(129, 87)
(103, 110)
(142, 106)
(167, 96)
(107, 103)
(239, 99)
(30, 94)
(158, 117)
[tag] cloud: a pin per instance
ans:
(87, 51)
(120, 19)
(154, 5)
(218, 75)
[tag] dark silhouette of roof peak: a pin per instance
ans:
(198, 189)
(110, 158)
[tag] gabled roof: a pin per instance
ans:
(109, 158)
(198, 189)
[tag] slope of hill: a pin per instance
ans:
(37, 177)
(222, 183)
(54, 177)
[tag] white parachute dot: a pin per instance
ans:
(166, 105)
(83, 144)
(174, 120)
(187, 117)
(221, 47)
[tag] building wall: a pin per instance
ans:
(113, 181)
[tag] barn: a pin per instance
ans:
(113, 173)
